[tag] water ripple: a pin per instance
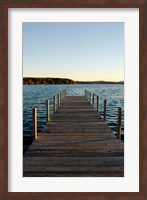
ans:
(36, 95)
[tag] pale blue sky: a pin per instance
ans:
(79, 51)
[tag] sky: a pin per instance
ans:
(78, 51)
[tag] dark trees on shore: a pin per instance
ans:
(37, 81)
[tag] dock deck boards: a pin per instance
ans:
(75, 143)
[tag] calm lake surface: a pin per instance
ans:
(36, 95)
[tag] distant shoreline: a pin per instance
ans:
(52, 81)
(99, 82)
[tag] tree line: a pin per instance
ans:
(37, 81)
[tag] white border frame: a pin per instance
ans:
(129, 183)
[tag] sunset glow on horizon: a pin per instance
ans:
(78, 51)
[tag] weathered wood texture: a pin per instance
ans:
(76, 142)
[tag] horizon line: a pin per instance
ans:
(73, 79)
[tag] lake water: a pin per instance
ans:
(36, 95)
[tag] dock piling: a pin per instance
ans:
(85, 93)
(90, 97)
(62, 95)
(97, 104)
(48, 110)
(64, 92)
(119, 123)
(93, 100)
(75, 137)
(105, 101)
(54, 104)
(35, 123)
(58, 100)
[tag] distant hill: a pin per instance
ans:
(48, 80)
(45, 81)
(99, 82)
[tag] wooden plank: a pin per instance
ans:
(74, 137)
(76, 126)
(75, 142)
(76, 131)
(63, 153)
(74, 160)
(74, 169)
(73, 174)
(78, 110)
(84, 146)
(86, 135)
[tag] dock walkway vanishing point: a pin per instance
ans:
(76, 142)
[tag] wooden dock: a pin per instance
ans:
(76, 142)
